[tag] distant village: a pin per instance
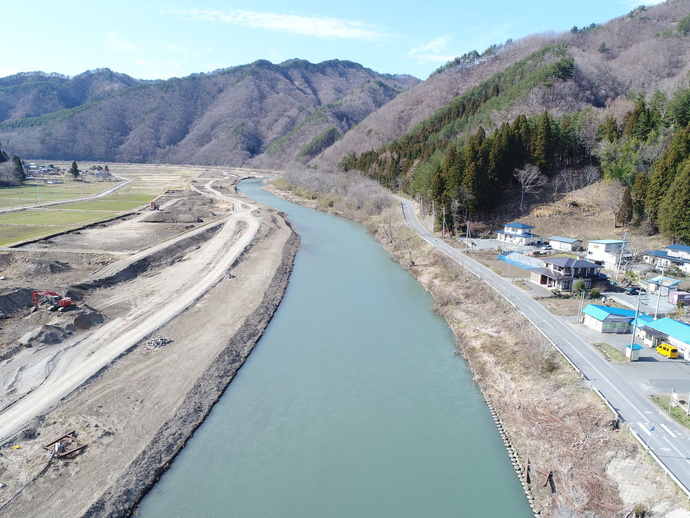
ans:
(50, 174)
(639, 294)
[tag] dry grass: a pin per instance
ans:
(584, 214)
(554, 421)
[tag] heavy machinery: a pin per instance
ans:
(57, 303)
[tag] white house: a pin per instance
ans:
(567, 244)
(672, 255)
(607, 252)
(518, 234)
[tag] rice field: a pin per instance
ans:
(148, 182)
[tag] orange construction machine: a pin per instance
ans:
(56, 301)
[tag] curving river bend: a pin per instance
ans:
(351, 405)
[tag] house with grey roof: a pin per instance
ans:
(566, 244)
(561, 273)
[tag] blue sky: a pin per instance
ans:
(160, 39)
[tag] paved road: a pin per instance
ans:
(669, 442)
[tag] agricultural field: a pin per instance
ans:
(56, 208)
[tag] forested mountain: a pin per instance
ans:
(259, 114)
(31, 94)
(557, 109)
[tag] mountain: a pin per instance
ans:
(260, 115)
(643, 51)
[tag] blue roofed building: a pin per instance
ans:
(672, 255)
(518, 234)
(606, 319)
(669, 331)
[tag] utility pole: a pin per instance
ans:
(658, 297)
(620, 258)
(443, 228)
(582, 307)
(637, 314)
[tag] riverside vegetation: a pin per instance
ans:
(554, 421)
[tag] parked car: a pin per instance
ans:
(667, 350)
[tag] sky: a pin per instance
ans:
(160, 39)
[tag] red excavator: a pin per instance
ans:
(57, 303)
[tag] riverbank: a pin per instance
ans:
(135, 415)
(580, 464)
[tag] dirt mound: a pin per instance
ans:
(61, 328)
(87, 318)
(46, 334)
(14, 300)
(39, 267)
(174, 217)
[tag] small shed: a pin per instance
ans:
(662, 285)
(677, 297)
(606, 319)
(632, 352)
(567, 244)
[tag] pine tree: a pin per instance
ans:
(639, 197)
(625, 213)
(674, 213)
(18, 170)
(542, 153)
(74, 170)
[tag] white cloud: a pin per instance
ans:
(4, 72)
(436, 51)
(115, 42)
(318, 26)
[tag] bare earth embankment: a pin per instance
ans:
(169, 304)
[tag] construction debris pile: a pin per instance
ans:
(157, 342)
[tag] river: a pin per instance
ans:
(352, 404)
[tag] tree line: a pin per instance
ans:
(11, 170)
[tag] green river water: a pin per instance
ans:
(352, 404)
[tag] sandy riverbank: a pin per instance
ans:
(137, 412)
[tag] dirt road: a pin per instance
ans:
(209, 291)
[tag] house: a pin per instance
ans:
(666, 330)
(606, 319)
(672, 255)
(561, 272)
(567, 244)
(607, 252)
(518, 234)
(661, 285)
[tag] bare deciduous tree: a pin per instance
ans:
(613, 198)
(531, 181)
(590, 174)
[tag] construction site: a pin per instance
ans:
(96, 321)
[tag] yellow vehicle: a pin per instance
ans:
(667, 350)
